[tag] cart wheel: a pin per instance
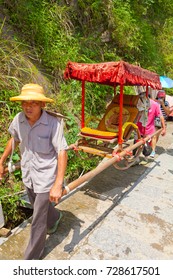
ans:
(129, 160)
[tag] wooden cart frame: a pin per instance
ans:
(111, 136)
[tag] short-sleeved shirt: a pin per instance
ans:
(153, 112)
(39, 148)
(163, 111)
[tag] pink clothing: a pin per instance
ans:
(154, 111)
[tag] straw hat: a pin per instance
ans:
(32, 92)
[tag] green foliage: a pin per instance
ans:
(7, 113)
(10, 185)
(165, 39)
(125, 30)
(10, 199)
(91, 31)
(48, 29)
(11, 210)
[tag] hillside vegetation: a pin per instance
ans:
(39, 37)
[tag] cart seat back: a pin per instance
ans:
(109, 124)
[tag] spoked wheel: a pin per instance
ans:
(130, 158)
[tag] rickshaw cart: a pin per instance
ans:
(116, 130)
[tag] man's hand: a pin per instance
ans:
(163, 132)
(56, 190)
(160, 101)
(55, 193)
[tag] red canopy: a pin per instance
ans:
(112, 73)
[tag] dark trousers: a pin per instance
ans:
(44, 216)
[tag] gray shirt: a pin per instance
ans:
(39, 147)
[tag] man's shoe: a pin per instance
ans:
(55, 226)
(152, 155)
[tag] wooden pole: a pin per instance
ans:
(120, 140)
(83, 105)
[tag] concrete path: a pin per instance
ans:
(118, 215)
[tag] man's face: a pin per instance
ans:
(161, 98)
(32, 109)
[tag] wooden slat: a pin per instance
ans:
(94, 151)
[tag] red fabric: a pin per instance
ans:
(112, 73)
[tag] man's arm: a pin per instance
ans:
(165, 108)
(5, 155)
(163, 125)
(56, 190)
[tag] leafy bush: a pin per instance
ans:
(10, 198)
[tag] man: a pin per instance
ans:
(43, 162)
(164, 105)
(153, 112)
(165, 110)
